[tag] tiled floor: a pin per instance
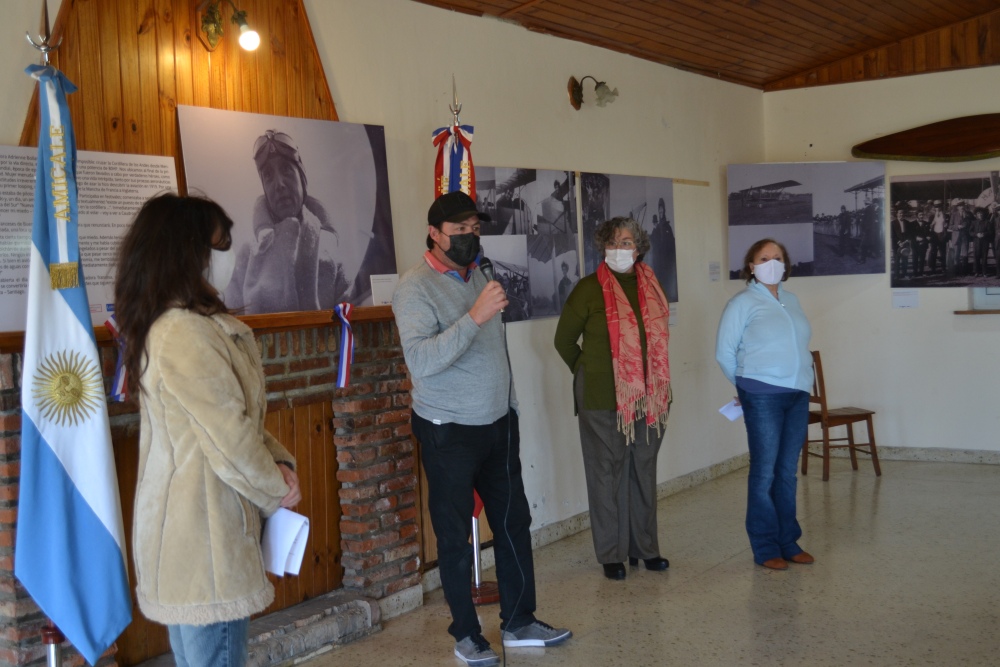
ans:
(907, 572)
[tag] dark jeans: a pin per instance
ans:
(777, 425)
(457, 459)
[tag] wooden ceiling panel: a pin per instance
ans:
(771, 44)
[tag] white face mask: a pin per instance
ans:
(220, 269)
(619, 260)
(770, 272)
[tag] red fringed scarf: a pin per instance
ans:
(638, 393)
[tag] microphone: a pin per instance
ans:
(486, 266)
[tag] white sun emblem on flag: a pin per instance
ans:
(67, 388)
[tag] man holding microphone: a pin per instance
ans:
(464, 415)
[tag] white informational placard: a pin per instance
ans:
(111, 187)
(382, 288)
(905, 298)
(284, 543)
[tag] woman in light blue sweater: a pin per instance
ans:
(763, 349)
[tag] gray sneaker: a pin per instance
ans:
(475, 650)
(535, 634)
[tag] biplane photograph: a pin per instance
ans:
(534, 223)
(650, 202)
(772, 203)
(944, 230)
(841, 232)
(526, 201)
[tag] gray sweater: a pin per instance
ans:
(459, 370)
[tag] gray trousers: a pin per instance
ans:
(621, 483)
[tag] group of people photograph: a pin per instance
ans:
(948, 240)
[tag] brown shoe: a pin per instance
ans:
(803, 558)
(775, 564)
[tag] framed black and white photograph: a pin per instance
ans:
(509, 255)
(554, 270)
(943, 230)
(538, 207)
(310, 204)
(526, 201)
(647, 200)
(828, 214)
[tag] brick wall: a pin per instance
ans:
(377, 470)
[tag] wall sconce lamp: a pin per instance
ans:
(211, 25)
(604, 94)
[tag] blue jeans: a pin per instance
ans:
(776, 428)
(457, 459)
(216, 645)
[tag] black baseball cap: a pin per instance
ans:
(453, 207)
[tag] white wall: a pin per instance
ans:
(930, 374)
(390, 62)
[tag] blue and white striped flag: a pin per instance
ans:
(70, 552)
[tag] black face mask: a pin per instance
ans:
(464, 248)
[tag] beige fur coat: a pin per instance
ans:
(206, 473)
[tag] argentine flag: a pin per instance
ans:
(70, 552)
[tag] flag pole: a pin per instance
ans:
(53, 638)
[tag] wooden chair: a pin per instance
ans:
(832, 418)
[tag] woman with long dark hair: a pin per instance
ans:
(208, 471)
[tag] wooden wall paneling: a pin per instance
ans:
(166, 77)
(281, 424)
(69, 62)
(201, 64)
(319, 443)
(128, 43)
(993, 40)
(217, 77)
(303, 584)
(293, 64)
(318, 88)
(183, 15)
(234, 54)
(111, 79)
(89, 85)
(149, 87)
(262, 63)
(249, 90)
(279, 58)
(142, 639)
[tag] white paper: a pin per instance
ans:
(731, 410)
(383, 285)
(909, 298)
(284, 544)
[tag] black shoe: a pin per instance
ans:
(657, 564)
(614, 571)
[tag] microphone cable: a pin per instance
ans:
(486, 267)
